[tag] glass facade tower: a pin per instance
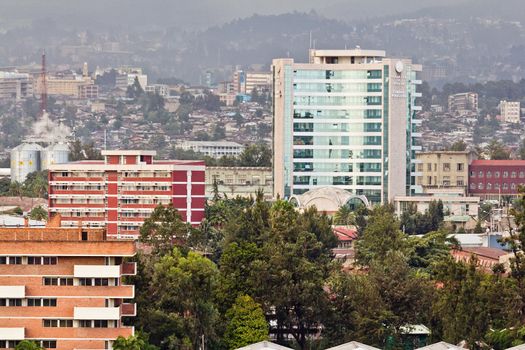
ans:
(342, 120)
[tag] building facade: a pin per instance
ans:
(510, 111)
(15, 85)
(64, 287)
(215, 149)
(495, 179)
(347, 119)
(443, 170)
(239, 181)
(122, 190)
(463, 103)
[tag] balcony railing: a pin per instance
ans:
(128, 309)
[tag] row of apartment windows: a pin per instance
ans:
(488, 174)
(433, 181)
(505, 186)
(30, 302)
(11, 344)
(445, 166)
(53, 323)
(29, 260)
(69, 281)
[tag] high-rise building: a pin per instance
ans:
(347, 119)
(510, 111)
(463, 103)
(122, 190)
(64, 287)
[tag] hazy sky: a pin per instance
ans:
(196, 14)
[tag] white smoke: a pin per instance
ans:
(46, 129)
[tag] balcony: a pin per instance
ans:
(128, 269)
(128, 309)
(12, 333)
(98, 271)
(12, 292)
(96, 313)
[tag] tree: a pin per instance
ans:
(16, 189)
(496, 150)
(218, 132)
(132, 342)
(459, 145)
(246, 323)
(135, 90)
(36, 184)
(344, 216)
(478, 228)
(258, 155)
(38, 213)
(28, 345)
(180, 306)
(164, 229)
(521, 150)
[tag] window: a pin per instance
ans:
(50, 323)
(489, 174)
(34, 260)
(66, 281)
(3, 260)
(496, 186)
(480, 173)
(472, 174)
(101, 282)
(15, 260)
(460, 166)
(489, 186)
(50, 281)
(84, 323)
(15, 302)
(505, 174)
(429, 167)
(34, 302)
(85, 281)
(420, 167)
(49, 302)
(460, 181)
(522, 174)
(50, 260)
(505, 186)
(101, 324)
(513, 186)
(49, 344)
(446, 180)
(480, 185)
(446, 166)
(472, 186)
(66, 323)
(429, 180)
(3, 302)
(496, 174)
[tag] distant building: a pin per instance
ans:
(64, 288)
(443, 170)
(161, 89)
(346, 119)
(510, 111)
(122, 190)
(463, 103)
(454, 205)
(243, 82)
(486, 257)
(328, 199)
(494, 179)
(239, 181)
(73, 86)
(215, 149)
(126, 77)
(15, 85)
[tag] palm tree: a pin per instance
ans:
(344, 216)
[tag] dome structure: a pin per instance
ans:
(328, 199)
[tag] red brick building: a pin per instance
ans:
(63, 287)
(122, 190)
(492, 179)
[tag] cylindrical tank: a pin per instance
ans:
(57, 153)
(25, 159)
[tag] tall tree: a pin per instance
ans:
(344, 216)
(497, 151)
(257, 155)
(246, 323)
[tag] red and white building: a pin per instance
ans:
(122, 190)
(492, 179)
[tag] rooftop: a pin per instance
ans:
(128, 153)
(357, 52)
(510, 162)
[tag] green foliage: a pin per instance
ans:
(459, 145)
(28, 345)
(36, 184)
(344, 216)
(478, 228)
(246, 323)
(135, 90)
(413, 222)
(79, 151)
(501, 339)
(4, 186)
(257, 155)
(133, 342)
(218, 132)
(164, 229)
(38, 213)
(496, 150)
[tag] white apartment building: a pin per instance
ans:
(510, 111)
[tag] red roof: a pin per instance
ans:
(345, 233)
(492, 253)
(510, 162)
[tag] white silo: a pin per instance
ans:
(25, 159)
(57, 153)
